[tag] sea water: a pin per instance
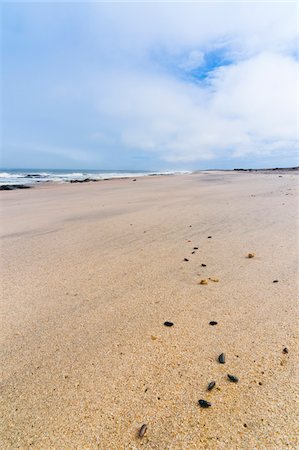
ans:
(35, 176)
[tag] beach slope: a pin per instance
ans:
(91, 272)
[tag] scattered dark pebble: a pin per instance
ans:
(275, 281)
(203, 265)
(192, 253)
(260, 383)
(211, 385)
(213, 322)
(204, 403)
(233, 378)
(209, 237)
(221, 358)
(168, 324)
(245, 425)
(142, 430)
(195, 248)
(285, 350)
(134, 179)
(186, 259)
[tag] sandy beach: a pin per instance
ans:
(91, 272)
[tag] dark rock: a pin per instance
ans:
(209, 237)
(195, 248)
(168, 324)
(12, 187)
(86, 180)
(221, 358)
(275, 281)
(203, 265)
(186, 259)
(204, 404)
(213, 322)
(134, 179)
(211, 385)
(233, 378)
(142, 430)
(285, 350)
(192, 253)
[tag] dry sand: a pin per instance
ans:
(91, 272)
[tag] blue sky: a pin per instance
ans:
(148, 85)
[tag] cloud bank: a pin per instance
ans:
(178, 84)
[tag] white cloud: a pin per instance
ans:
(247, 107)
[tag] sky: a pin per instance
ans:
(149, 86)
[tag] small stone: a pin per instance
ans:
(204, 404)
(142, 430)
(153, 338)
(233, 378)
(209, 237)
(195, 248)
(221, 358)
(285, 350)
(203, 281)
(213, 322)
(216, 280)
(211, 385)
(203, 265)
(275, 281)
(260, 383)
(251, 255)
(186, 259)
(168, 324)
(192, 253)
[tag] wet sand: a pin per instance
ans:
(91, 272)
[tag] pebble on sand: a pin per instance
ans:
(275, 281)
(142, 430)
(221, 358)
(285, 350)
(195, 248)
(168, 324)
(216, 280)
(251, 255)
(213, 322)
(211, 385)
(186, 259)
(204, 281)
(203, 265)
(204, 403)
(209, 237)
(232, 378)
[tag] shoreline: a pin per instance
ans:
(91, 274)
(12, 187)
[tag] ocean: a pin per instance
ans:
(35, 176)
